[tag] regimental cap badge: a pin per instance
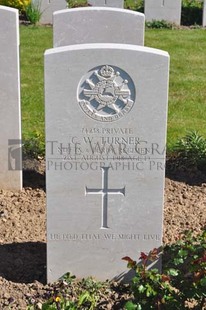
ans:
(106, 93)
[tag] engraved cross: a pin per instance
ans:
(105, 191)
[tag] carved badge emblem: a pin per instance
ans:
(106, 93)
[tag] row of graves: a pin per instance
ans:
(106, 97)
(168, 10)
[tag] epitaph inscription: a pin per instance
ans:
(104, 191)
(106, 93)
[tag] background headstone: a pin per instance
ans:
(168, 10)
(94, 25)
(112, 3)
(106, 112)
(204, 14)
(10, 119)
(48, 7)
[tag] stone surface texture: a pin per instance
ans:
(111, 3)
(168, 10)
(106, 132)
(95, 25)
(10, 120)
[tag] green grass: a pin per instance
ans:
(187, 91)
(33, 43)
(187, 94)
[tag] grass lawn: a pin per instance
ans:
(33, 43)
(187, 95)
(187, 92)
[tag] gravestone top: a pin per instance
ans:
(111, 3)
(98, 25)
(14, 13)
(168, 10)
(148, 50)
(10, 119)
(106, 112)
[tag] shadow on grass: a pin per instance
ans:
(23, 262)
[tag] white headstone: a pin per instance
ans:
(10, 120)
(48, 7)
(106, 112)
(168, 10)
(112, 3)
(95, 25)
(204, 14)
